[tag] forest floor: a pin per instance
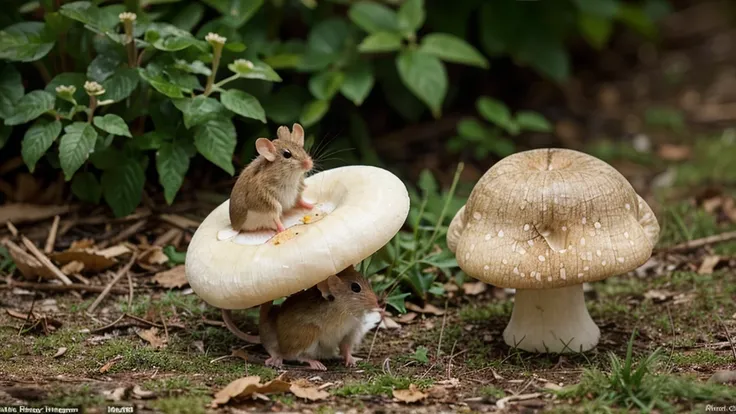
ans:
(171, 354)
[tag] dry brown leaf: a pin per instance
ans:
(428, 308)
(708, 264)
(72, 267)
(19, 213)
(61, 351)
(139, 392)
(658, 295)
(114, 251)
(248, 387)
(172, 278)
(179, 221)
(407, 317)
(153, 256)
(473, 289)
(109, 364)
(673, 152)
(151, 336)
(28, 265)
(710, 205)
(409, 396)
(437, 392)
(82, 244)
(450, 287)
(388, 323)
(304, 389)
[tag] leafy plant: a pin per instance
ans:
(420, 355)
(484, 139)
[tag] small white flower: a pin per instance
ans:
(93, 88)
(127, 17)
(242, 65)
(66, 89)
(215, 39)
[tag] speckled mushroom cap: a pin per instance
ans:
(550, 218)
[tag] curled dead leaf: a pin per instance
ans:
(153, 256)
(28, 265)
(388, 323)
(82, 244)
(428, 308)
(473, 289)
(93, 261)
(172, 278)
(407, 317)
(306, 390)
(709, 263)
(151, 336)
(72, 267)
(109, 364)
(248, 387)
(61, 351)
(409, 395)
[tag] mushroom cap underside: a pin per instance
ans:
(552, 218)
(358, 209)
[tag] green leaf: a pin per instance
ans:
(472, 129)
(159, 83)
(260, 70)
(188, 17)
(121, 84)
(243, 104)
(11, 90)
(122, 186)
(380, 42)
(441, 262)
(30, 107)
(312, 112)
(411, 16)
(358, 83)
(25, 42)
(236, 12)
(420, 355)
(76, 144)
(172, 163)
(38, 140)
(95, 18)
(548, 56)
(425, 76)
(327, 41)
(325, 85)
(596, 30)
(216, 140)
(174, 43)
(70, 79)
(497, 113)
(398, 301)
(236, 47)
(601, 8)
(427, 183)
(174, 256)
(452, 49)
(636, 18)
(199, 109)
(102, 67)
(86, 187)
(149, 141)
(373, 17)
(112, 124)
(532, 121)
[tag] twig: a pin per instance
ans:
(163, 321)
(694, 244)
(28, 318)
(11, 227)
(51, 240)
(179, 221)
(501, 404)
(442, 331)
(123, 235)
(167, 237)
(45, 261)
(57, 288)
(122, 272)
(728, 336)
(674, 335)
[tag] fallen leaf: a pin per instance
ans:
(450, 287)
(473, 289)
(409, 396)
(114, 251)
(658, 295)
(28, 265)
(93, 261)
(151, 336)
(712, 204)
(139, 392)
(672, 152)
(172, 278)
(109, 364)
(19, 213)
(407, 317)
(117, 394)
(247, 387)
(428, 308)
(708, 264)
(61, 351)
(437, 391)
(82, 244)
(552, 386)
(304, 389)
(153, 256)
(72, 267)
(388, 323)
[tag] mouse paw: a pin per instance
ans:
(315, 365)
(350, 361)
(274, 362)
(303, 204)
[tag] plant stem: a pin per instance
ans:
(450, 195)
(226, 80)
(216, 54)
(130, 43)
(42, 71)
(92, 107)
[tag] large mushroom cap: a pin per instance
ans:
(550, 218)
(358, 209)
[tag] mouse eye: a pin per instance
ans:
(286, 154)
(355, 287)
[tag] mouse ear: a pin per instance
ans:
(334, 283)
(297, 134)
(283, 133)
(266, 148)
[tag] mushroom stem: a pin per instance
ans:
(551, 320)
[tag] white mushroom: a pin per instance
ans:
(566, 218)
(358, 209)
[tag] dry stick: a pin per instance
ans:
(442, 331)
(110, 285)
(123, 235)
(694, 244)
(45, 261)
(51, 240)
(163, 321)
(728, 336)
(501, 404)
(57, 288)
(11, 227)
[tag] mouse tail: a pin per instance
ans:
(227, 317)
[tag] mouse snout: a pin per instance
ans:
(307, 164)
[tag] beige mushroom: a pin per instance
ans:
(544, 222)
(358, 209)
